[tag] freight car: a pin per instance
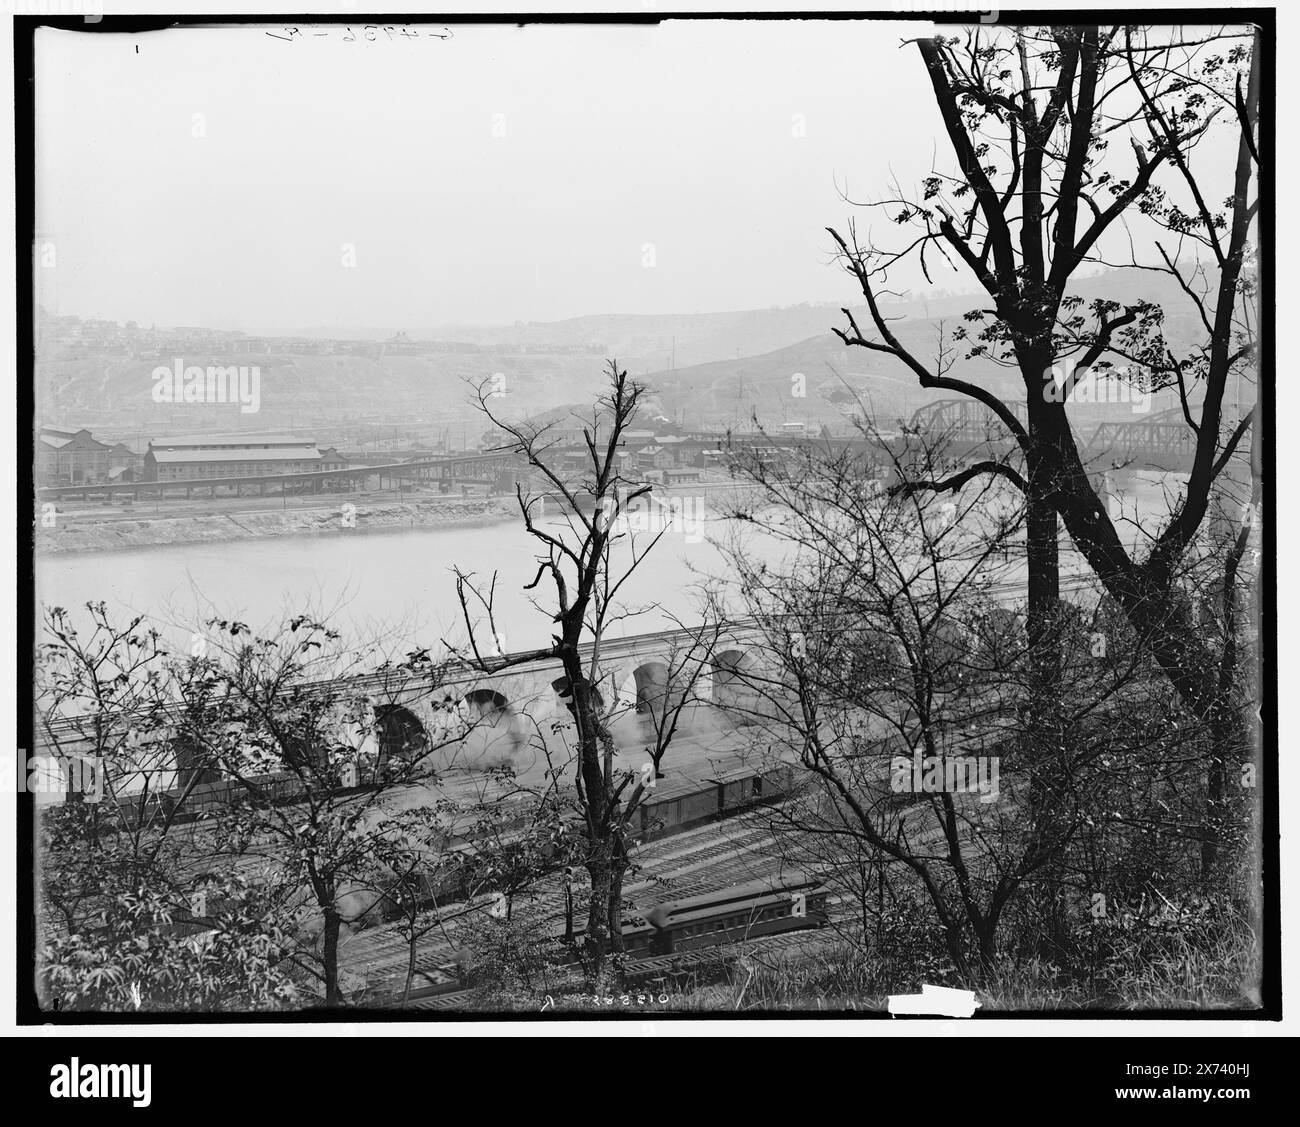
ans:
(677, 806)
(727, 915)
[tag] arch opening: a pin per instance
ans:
(401, 737)
(652, 689)
(485, 704)
(493, 735)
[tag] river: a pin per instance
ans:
(370, 582)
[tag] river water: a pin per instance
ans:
(371, 582)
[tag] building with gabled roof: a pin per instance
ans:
(68, 456)
(196, 457)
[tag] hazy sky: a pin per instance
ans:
(503, 174)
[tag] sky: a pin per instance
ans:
(222, 177)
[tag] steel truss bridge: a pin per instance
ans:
(1163, 441)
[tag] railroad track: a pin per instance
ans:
(663, 974)
(687, 864)
(695, 861)
(660, 976)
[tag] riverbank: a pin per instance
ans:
(96, 528)
(81, 532)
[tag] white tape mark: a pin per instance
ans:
(935, 1001)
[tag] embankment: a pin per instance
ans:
(77, 533)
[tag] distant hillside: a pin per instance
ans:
(647, 343)
(727, 365)
(304, 390)
(835, 377)
(817, 380)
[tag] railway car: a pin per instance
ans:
(728, 915)
(744, 787)
(687, 803)
(446, 979)
(432, 982)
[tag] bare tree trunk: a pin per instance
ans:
(618, 870)
(1042, 552)
(1043, 736)
(330, 956)
(953, 940)
(1227, 726)
(599, 863)
(601, 871)
(988, 946)
(1042, 556)
(410, 966)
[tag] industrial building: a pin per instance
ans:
(73, 456)
(232, 455)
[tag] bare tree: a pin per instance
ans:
(1041, 189)
(586, 567)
